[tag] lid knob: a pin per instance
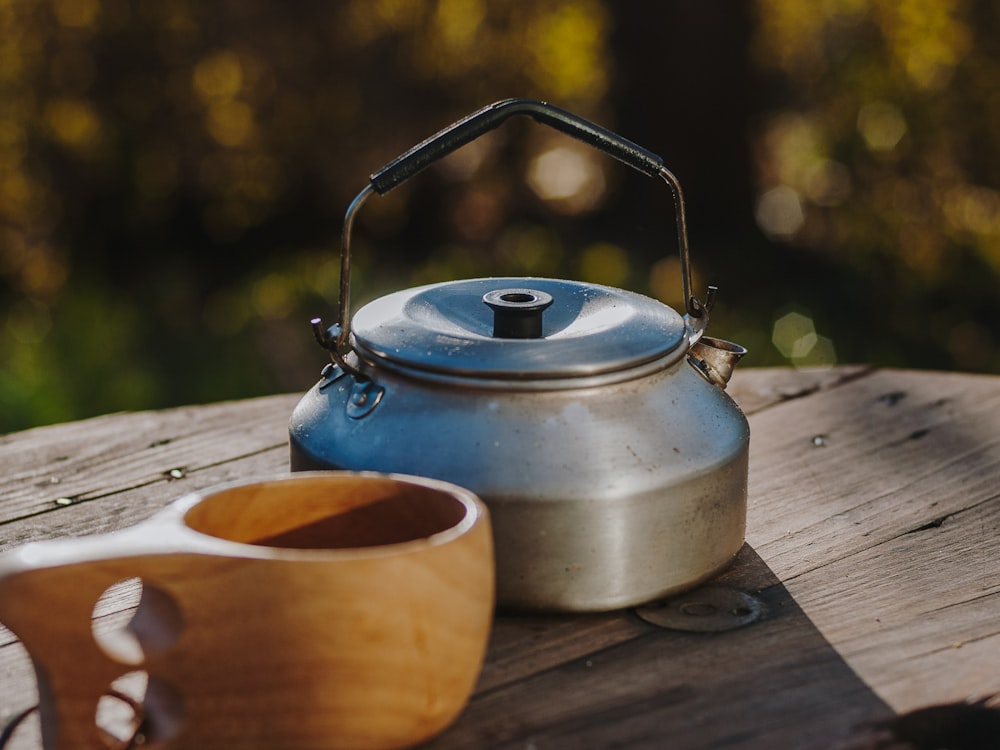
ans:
(517, 313)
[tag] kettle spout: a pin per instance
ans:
(715, 359)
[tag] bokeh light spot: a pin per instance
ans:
(73, 122)
(828, 183)
(458, 21)
(567, 46)
(779, 212)
(568, 177)
(973, 209)
(882, 125)
(218, 76)
(230, 123)
(794, 335)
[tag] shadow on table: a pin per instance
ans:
(773, 681)
(739, 666)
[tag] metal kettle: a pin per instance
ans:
(593, 421)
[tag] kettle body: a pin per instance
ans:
(592, 421)
(601, 497)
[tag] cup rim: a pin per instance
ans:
(475, 512)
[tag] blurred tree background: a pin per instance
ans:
(174, 173)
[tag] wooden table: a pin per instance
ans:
(872, 557)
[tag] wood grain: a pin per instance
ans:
(888, 536)
(771, 684)
(85, 461)
(873, 538)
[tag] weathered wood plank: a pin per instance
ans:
(886, 530)
(862, 463)
(18, 691)
(114, 453)
(92, 475)
(880, 533)
(899, 611)
(121, 508)
(525, 645)
(776, 683)
(756, 389)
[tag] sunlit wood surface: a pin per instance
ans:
(873, 553)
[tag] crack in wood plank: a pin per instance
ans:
(165, 478)
(759, 389)
(934, 525)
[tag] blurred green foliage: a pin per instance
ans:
(173, 176)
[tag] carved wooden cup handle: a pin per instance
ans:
(310, 609)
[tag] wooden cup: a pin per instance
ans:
(316, 610)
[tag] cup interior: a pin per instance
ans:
(331, 511)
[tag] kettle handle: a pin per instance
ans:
(492, 116)
(337, 338)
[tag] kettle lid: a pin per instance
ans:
(517, 329)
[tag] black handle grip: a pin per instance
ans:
(469, 128)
